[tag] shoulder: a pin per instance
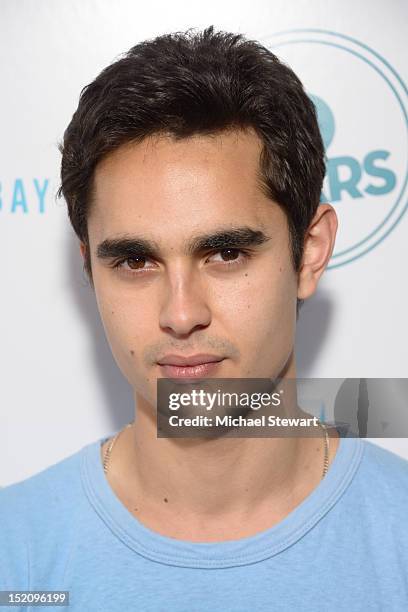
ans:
(40, 501)
(28, 510)
(384, 461)
(44, 487)
(384, 477)
(36, 514)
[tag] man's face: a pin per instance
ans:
(210, 270)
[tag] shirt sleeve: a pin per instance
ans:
(14, 543)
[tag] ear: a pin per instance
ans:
(317, 250)
(82, 248)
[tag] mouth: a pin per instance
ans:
(185, 371)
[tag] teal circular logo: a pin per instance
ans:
(361, 103)
(326, 120)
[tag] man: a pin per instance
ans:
(192, 170)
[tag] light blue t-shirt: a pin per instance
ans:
(344, 548)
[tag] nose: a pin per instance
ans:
(184, 308)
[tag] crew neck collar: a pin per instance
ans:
(231, 553)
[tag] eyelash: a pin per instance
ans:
(234, 263)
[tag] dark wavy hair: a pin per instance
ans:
(203, 82)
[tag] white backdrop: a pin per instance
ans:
(60, 387)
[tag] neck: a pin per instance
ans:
(212, 489)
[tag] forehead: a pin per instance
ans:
(162, 184)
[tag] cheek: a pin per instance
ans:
(126, 322)
(259, 314)
(265, 298)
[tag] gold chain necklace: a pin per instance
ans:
(108, 451)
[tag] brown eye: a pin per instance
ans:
(229, 257)
(229, 254)
(133, 265)
(135, 262)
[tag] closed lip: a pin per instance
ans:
(192, 360)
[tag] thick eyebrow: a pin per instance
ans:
(137, 246)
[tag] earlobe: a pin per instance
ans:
(82, 248)
(318, 248)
